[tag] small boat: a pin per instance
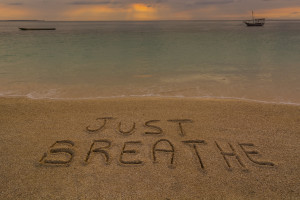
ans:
(37, 29)
(255, 22)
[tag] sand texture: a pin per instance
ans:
(148, 148)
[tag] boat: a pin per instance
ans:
(37, 29)
(255, 22)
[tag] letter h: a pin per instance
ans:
(232, 153)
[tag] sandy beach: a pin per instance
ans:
(148, 148)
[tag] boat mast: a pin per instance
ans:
(252, 16)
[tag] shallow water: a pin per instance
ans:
(221, 59)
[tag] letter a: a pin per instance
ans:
(166, 150)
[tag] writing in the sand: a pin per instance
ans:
(161, 150)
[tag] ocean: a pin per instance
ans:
(202, 59)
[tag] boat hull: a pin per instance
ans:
(37, 29)
(254, 23)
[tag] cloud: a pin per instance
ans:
(92, 3)
(295, 13)
(134, 11)
(149, 9)
(281, 13)
(214, 2)
(15, 4)
(9, 12)
(180, 4)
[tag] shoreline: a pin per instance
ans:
(148, 148)
(149, 97)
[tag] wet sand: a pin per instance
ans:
(148, 148)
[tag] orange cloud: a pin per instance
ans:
(105, 12)
(138, 11)
(143, 8)
(92, 12)
(280, 13)
(14, 12)
(142, 12)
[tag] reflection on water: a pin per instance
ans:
(166, 58)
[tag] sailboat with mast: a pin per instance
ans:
(255, 22)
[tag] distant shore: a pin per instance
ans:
(34, 20)
(148, 148)
(242, 19)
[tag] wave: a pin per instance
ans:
(34, 96)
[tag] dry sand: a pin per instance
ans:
(149, 148)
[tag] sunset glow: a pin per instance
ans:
(284, 13)
(143, 12)
(146, 10)
(9, 12)
(94, 13)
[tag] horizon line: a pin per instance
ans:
(42, 20)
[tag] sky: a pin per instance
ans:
(106, 10)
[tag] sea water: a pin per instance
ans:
(205, 59)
